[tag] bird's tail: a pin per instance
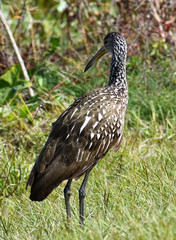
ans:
(39, 194)
(42, 184)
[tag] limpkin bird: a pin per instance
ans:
(85, 132)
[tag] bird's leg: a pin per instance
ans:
(67, 194)
(82, 194)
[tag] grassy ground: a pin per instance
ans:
(130, 194)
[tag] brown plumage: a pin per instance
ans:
(85, 132)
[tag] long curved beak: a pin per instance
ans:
(98, 55)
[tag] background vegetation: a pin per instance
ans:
(130, 194)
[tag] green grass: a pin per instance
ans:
(130, 194)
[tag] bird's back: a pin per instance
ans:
(81, 136)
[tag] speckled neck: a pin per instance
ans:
(118, 70)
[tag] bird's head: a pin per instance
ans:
(113, 43)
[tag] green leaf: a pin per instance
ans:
(8, 78)
(10, 83)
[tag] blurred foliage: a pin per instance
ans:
(56, 38)
(70, 27)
